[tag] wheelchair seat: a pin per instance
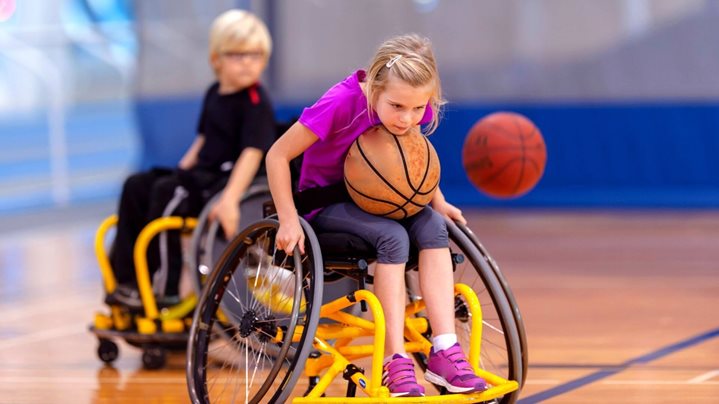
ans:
(342, 246)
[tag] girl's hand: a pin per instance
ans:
(227, 212)
(289, 235)
(447, 209)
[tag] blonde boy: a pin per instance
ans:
(236, 128)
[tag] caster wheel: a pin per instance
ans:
(154, 358)
(107, 351)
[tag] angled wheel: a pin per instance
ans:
(266, 307)
(510, 296)
(500, 345)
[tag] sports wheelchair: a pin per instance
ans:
(260, 322)
(156, 329)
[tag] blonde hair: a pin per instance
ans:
(239, 28)
(411, 59)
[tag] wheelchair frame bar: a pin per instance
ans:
(349, 327)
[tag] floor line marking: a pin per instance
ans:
(604, 373)
(654, 382)
(704, 377)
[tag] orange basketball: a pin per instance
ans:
(391, 176)
(504, 155)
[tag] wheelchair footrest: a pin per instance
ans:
(492, 393)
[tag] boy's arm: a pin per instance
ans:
(227, 208)
(190, 158)
(242, 174)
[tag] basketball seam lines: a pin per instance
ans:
(537, 146)
(502, 131)
(524, 154)
(406, 170)
(500, 170)
(398, 207)
(409, 180)
(359, 148)
(524, 160)
(406, 174)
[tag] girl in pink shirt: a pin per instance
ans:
(400, 90)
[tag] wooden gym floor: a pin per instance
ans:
(619, 307)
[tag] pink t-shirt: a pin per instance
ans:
(337, 118)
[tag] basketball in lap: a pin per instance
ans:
(391, 176)
(504, 155)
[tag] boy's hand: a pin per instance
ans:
(227, 212)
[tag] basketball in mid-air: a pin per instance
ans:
(389, 175)
(504, 155)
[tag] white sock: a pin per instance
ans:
(389, 358)
(443, 341)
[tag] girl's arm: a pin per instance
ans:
(290, 145)
(190, 158)
(227, 208)
(445, 208)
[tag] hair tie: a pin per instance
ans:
(393, 61)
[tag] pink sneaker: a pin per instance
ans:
(399, 378)
(449, 368)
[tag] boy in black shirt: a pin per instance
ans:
(236, 128)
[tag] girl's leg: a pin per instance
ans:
(447, 365)
(428, 232)
(391, 241)
(392, 244)
(436, 282)
(390, 290)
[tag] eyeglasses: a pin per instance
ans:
(252, 56)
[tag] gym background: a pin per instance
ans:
(624, 91)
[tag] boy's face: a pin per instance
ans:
(239, 68)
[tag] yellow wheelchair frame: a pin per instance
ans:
(337, 358)
(336, 340)
(155, 327)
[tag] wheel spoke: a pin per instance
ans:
(249, 298)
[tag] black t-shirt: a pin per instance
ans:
(232, 122)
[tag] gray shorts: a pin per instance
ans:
(391, 238)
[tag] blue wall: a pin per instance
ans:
(600, 155)
(167, 127)
(633, 155)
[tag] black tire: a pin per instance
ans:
(510, 296)
(249, 320)
(107, 350)
(500, 347)
(154, 357)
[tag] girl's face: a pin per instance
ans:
(400, 106)
(239, 68)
